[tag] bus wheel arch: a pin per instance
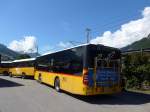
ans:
(5, 73)
(57, 84)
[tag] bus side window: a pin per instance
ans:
(50, 65)
(76, 67)
(52, 62)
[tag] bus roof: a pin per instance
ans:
(69, 48)
(72, 48)
(23, 60)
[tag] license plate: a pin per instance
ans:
(99, 89)
(107, 90)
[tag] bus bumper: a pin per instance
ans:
(102, 90)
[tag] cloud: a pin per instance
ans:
(64, 45)
(47, 49)
(60, 46)
(128, 33)
(26, 45)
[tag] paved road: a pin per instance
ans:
(17, 95)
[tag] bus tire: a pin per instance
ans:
(57, 84)
(23, 76)
(40, 78)
(10, 74)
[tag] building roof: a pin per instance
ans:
(136, 51)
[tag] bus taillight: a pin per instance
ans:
(85, 77)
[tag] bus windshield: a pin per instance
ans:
(107, 57)
(108, 64)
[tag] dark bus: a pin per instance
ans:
(84, 70)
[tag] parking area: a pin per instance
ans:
(27, 95)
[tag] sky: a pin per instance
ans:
(52, 24)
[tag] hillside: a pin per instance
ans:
(143, 43)
(6, 53)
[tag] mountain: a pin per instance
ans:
(33, 55)
(143, 43)
(6, 53)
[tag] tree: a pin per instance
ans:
(23, 56)
(136, 69)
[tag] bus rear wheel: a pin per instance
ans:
(23, 76)
(57, 84)
(10, 74)
(40, 78)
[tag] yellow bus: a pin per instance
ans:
(22, 67)
(4, 67)
(83, 70)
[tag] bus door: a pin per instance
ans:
(106, 72)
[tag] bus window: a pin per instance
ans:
(105, 56)
(67, 66)
(76, 67)
(113, 64)
(67, 62)
(102, 63)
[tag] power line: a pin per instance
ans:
(118, 19)
(114, 22)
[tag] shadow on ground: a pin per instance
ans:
(124, 98)
(8, 83)
(26, 78)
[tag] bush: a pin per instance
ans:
(132, 83)
(137, 70)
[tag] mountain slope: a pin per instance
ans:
(143, 43)
(6, 53)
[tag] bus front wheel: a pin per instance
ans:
(57, 84)
(10, 74)
(40, 78)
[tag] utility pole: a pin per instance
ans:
(37, 50)
(88, 35)
(0, 58)
(141, 52)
